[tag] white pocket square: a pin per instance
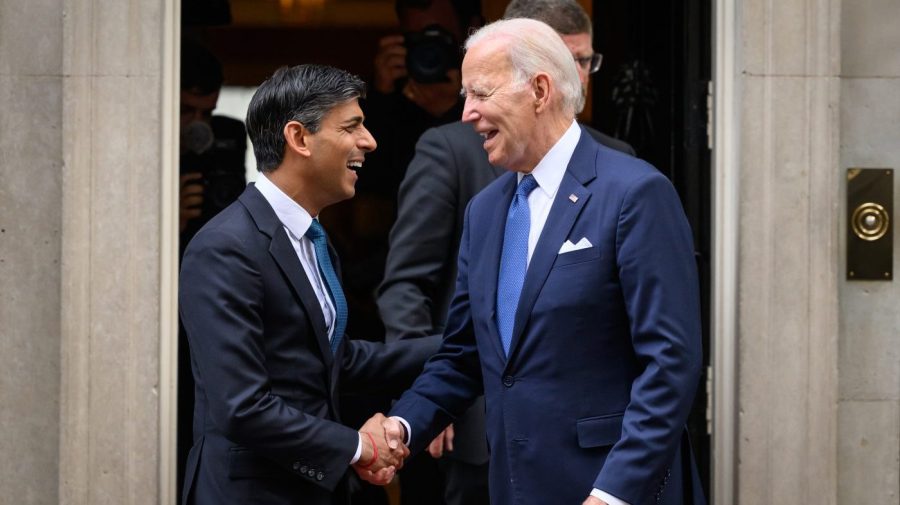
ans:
(568, 246)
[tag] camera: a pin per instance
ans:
(216, 151)
(430, 53)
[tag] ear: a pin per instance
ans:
(541, 87)
(297, 138)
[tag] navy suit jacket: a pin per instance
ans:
(605, 355)
(449, 168)
(266, 423)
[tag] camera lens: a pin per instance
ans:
(430, 54)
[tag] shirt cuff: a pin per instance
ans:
(608, 498)
(408, 429)
(358, 450)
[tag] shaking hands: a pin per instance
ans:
(383, 450)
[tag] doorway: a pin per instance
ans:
(652, 92)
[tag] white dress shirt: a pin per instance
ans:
(296, 221)
(549, 173)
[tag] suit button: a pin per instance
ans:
(320, 476)
(311, 473)
(296, 466)
(508, 380)
(303, 468)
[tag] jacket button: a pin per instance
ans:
(320, 476)
(508, 380)
(311, 473)
(303, 468)
(296, 465)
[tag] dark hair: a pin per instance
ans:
(304, 93)
(201, 71)
(465, 10)
(567, 17)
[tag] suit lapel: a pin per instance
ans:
(562, 217)
(285, 256)
(492, 247)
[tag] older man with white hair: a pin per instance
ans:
(576, 310)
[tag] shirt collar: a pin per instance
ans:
(550, 170)
(290, 213)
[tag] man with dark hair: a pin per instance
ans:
(212, 147)
(448, 169)
(265, 313)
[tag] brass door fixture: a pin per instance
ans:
(870, 237)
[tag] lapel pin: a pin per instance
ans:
(573, 198)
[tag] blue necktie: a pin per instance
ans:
(317, 235)
(513, 260)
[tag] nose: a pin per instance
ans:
(366, 142)
(469, 114)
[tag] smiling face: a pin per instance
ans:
(500, 109)
(337, 150)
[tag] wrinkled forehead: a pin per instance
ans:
(486, 62)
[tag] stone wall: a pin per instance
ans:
(30, 248)
(788, 261)
(81, 239)
(869, 409)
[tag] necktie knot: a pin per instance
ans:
(526, 186)
(315, 231)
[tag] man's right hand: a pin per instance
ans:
(379, 462)
(190, 204)
(390, 63)
(394, 432)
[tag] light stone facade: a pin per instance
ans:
(808, 364)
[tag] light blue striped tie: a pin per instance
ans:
(317, 234)
(513, 260)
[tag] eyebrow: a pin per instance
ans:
(355, 120)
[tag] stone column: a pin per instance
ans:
(869, 408)
(86, 249)
(112, 247)
(30, 238)
(788, 262)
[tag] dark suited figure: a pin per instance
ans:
(265, 314)
(211, 165)
(576, 307)
(448, 169)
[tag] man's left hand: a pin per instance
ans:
(441, 443)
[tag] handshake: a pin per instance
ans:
(383, 450)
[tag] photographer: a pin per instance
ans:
(212, 148)
(211, 164)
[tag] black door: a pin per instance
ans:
(652, 92)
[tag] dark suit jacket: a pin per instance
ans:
(605, 354)
(449, 168)
(266, 425)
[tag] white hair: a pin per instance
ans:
(533, 47)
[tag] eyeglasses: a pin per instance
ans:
(591, 63)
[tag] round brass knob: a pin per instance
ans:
(870, 221)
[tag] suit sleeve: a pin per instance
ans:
(452, 378)
(660, 287)
(421, 241)
(221, 306)
(375, 367)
